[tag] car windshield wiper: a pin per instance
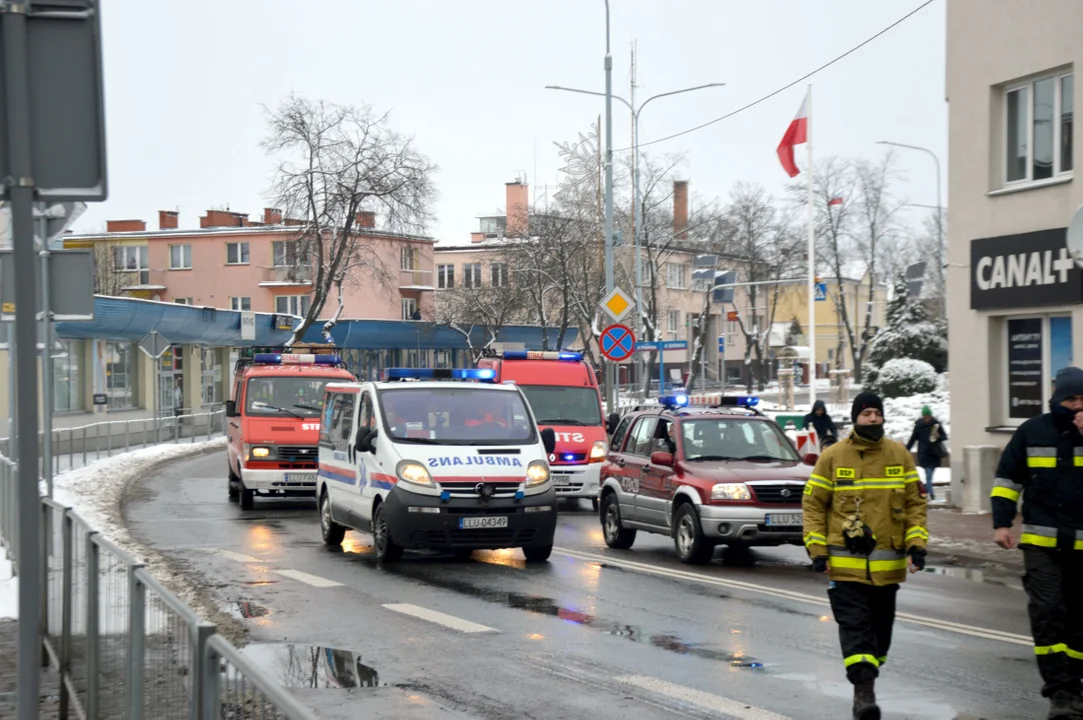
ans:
(308, 407)
(259, 405)
(420, 441)
(763, 458)
(712, 457)
(561, 421)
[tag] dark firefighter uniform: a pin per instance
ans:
(1043, 465)
(877, 482)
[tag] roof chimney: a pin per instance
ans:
(272, 216)
(680, 209)
(125, 226)
(366, 219)
(517, 208)
(168, 219)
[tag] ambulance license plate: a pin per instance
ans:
(561, 480)
(783, 519)
(299, 478)
(485, 522)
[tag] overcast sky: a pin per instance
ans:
(185, 82)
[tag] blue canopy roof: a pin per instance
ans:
(132, 319)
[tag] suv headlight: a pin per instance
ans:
(537, 473)
(413, 472)
(730, 491)
(598, 451)
(259, 452)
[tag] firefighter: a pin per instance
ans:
(864, 523)
(1043, 463)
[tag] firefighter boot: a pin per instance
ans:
(865, 707)
(1066, 704)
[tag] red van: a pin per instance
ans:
(563, 393)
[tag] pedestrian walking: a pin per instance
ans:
(1043, 464)
(864, 523)
(822, 423)
(929, 435)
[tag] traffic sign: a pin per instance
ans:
(821, 292)
(616, 304)
(665, 345)
(617, 343)
(721, 343)
(731, 316)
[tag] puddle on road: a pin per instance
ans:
(976, 575)
(311, 666)
(547, 606)
(256, 583)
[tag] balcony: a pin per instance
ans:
(287, 276)
(135, 281)
(416, 280)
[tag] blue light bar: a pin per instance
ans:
(439, 374)
(564, 355)
(738, 401)
(674, 400)
(295, 359)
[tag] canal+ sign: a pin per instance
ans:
(1026, 270)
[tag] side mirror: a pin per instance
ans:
(662, 458)
(366, 441)
(549, 440)
(612, 422)
(811, 458)
(231, 408)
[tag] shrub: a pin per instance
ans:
(903, 377)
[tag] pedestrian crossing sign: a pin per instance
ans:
(821, 292)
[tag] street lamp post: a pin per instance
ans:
(636, 211)
(939, 205)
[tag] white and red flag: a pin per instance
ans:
(796, 134)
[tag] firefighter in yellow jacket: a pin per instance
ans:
(864, 524)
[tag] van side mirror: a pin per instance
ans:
(366, 441)
(549, 440)
(811, 458)
(231, 408)
(612, 422)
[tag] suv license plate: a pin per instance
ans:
(489, 521)
(781, 519)
(300, 477)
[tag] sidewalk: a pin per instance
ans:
(49, 704)
(956, 538)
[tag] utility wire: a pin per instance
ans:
(786, 87)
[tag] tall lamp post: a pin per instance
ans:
(939, 203)
(609, 96)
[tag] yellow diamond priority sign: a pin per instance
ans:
(617, 304)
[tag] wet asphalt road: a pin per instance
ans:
(592, 633)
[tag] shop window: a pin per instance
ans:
(1037, 347)
(119, 379)
(67, 381)
(210, 375)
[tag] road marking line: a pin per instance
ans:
(237, 557)
(972, 630)
(439, 618)
(709, 701)
(304, 577)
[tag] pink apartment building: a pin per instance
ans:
(234, 263)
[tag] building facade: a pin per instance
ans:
(231, 262)
(1015, 293)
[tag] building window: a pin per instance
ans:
(1038, 119)
(472, 275)
(674, 321)
(445, 277)
(237, 253)
(67, 382)
(182, 301)
(409, 307)
(408, 258)
(180, 257)
(499, 274)
(1037, 347)
(676, 276)
(210, 375)
(244, 304)
(492, 226)
(293, 304)
(118, 375)
(287, 253)
(130, 257)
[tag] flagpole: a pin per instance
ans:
(811, 260)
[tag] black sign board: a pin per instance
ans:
(1024, 367)
(1026, 270)
(101, 399)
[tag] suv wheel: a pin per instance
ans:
(332, 532)
(386, 549)
(692, 547)
(537, 553)
(616, 535)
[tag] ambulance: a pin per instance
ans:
(563, 393)
(435, 459)
(274, 423)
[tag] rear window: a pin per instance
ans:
(461, 415)
(292, 396)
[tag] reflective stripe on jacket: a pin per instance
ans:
(878, 482)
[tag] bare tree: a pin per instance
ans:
(333, 163)
(484, 308)
(111, 276)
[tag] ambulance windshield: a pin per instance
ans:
(460, 415)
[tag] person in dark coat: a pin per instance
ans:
(930, 436)
(821, 422)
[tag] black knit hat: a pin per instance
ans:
(864, 400)
(1068, 382)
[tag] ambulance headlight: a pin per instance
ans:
(413, 472)
(537, 473)
(598, 452)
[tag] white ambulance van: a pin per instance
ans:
(435, 459)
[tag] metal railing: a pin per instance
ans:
(123, 644)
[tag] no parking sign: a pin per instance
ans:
(617, 342)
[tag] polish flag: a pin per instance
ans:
(833, 201)
(796, 134)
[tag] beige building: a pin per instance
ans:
(1014, 292)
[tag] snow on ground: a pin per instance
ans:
(9, 590)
